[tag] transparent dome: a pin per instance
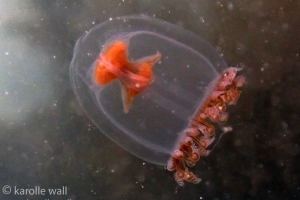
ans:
(186, 71)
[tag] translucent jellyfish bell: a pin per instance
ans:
(159, 115)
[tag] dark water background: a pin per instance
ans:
(46, 140)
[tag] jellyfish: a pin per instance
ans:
(157, 90)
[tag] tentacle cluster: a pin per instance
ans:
(200, 134)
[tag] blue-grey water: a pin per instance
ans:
(47, 141)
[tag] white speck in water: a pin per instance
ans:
(285, 26)
(230, 6)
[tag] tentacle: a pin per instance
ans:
(200, 133)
